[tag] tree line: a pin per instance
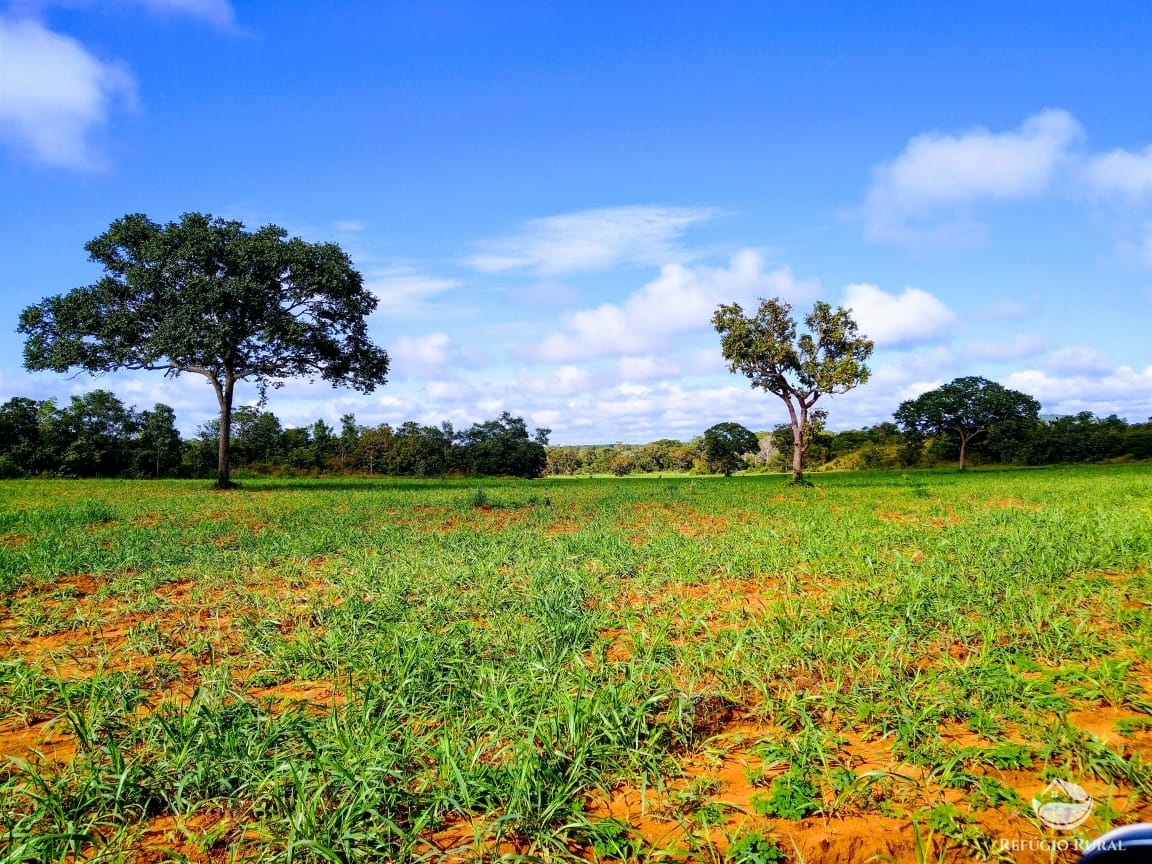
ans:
(205, 296)
(1078, 438)
(96, 435)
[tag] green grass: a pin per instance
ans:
(366, 670)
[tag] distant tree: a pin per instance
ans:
(158, 444)
(92, 436)
(504, 447)
(325, 443)
(257, 436)
(373, 447)
(205, 295)
(20, 433)
(564, 461)
(966, 408)
(681, 458)
(298, 451)
(726, 443)
(826, 360)
(420, 451)
(1138, 440)
(349, 438)
(1082, 437)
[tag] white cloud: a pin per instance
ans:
(1145, 250)
(681, 299)
(216, 12)
(1121, 172)
(1078, 359)
(1022, 345)
(1118, 390)
(563, 382)
(591, 240)
(54, 94)
(403, 290)
(449, 390)
(421, 354)
(916, 195)
(894, 321)
(645, 367)
(1006, 308)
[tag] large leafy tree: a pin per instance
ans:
(966, 408)
(726, 443)
(829, 358)
(206, 296)
(503, 447)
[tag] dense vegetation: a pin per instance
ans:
(96, 435)
(687, 669)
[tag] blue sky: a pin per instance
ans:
(550, 198)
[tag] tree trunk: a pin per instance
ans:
(224, 479)
(798, 414)
(797, 453)
(963, 447)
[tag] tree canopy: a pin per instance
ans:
(725, 443)
(827, 359)
(969, 407)
(204, 295)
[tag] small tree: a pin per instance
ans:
(204, 295)
(966, 408)
(828, 359)
(726, 443)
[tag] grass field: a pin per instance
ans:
(659, 669)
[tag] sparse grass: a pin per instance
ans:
(358, 670)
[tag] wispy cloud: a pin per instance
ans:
(219, 13)
(592, 240)
(1020, 346)
(403, 290)
(921, 194)
(54, 94)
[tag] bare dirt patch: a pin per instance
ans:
(48, 740)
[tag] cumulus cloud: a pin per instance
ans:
(420, 354)
(54, 94)
(591, 240)
(564, 381)
(1121, 172)
(449, 390)
(645, 367)
(681, 299)
(920, 194)
(1020, 346)
(1118, 390)
(895, 321)
(1078, 359)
